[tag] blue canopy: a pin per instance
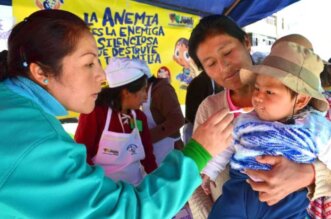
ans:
(6, 2)
(244, 12)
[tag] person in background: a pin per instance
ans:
(116, 132)
(164, 72)
(326, 84)
(199, 88)
(52, 66)
(320, 207)
(221, 48)
(326, 76)
(288, 120)
(164, 115)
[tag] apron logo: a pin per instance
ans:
(110, 151)
(132, 148)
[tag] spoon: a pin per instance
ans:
(243, 110)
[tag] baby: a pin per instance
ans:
(288, 121)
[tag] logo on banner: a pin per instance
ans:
(180, 20)
(49, 4)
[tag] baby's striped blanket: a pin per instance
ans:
(299, 142)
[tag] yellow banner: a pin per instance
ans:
(126, 28)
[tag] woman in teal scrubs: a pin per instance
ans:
(52, 66)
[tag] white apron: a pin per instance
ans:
(120, 153)
(163, 147)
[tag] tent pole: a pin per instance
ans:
(234, 4)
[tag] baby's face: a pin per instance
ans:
(271, 99)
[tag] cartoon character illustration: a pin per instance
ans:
(182, 57)
(49, 4)
(164, 72)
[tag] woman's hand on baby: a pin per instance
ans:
(216, 133)
(284, 178)
(207, 183)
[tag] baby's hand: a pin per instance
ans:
(206, 184)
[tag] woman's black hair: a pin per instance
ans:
(151, 80)
(112, 97)
(3, 64)
(45, 38)
(211, 26)
(326, 76)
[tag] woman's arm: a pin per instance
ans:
(66, 187)
(322, 184)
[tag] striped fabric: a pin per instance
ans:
(298, 142)
(320, 208)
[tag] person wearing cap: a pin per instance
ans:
(221, 48)
(116, 133)
(164, 115)
(288, 121)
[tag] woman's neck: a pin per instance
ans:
(242, 97)
(125, 110)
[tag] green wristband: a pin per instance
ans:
(197, 153)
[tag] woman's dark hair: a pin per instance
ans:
(151, 79)
(45, 38)
(112, 96)
(326, 76)
(3, 63)
(211, 26)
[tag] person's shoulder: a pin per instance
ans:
(10, 99)
(98, 113)
(160, 82)
(17, 107)
(201, 80)
(162, 85)
(215, 100)
(100, 109)
(27, 123)
(211, 104)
